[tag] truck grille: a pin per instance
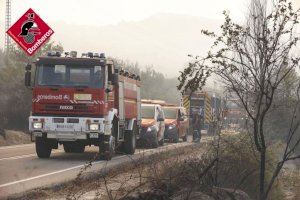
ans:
(56, 107)
(144, 129)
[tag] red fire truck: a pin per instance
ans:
(83, 101)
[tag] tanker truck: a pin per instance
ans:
(80, 101)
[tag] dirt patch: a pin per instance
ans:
(14, 137)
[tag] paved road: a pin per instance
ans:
(21, 170)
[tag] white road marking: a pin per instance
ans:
(44, 175)
(25, 156)
(17, 157)
(15, 146)
(75, 167)
(32, 155)
(55, 172)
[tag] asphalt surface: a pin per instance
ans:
(21, 170)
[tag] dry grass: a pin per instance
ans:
(290, 181)
(234, 167)
(14, 137)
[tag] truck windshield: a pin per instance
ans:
(197, 102)
(70, 76)
(170, 113)
(148, 112)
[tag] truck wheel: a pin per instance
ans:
(184, 138)
(42, 147)
(176, 137)
(130, 141)
(107, 150)
(161, 142)
(129, 144)
(67, 147)
(155, 142)
(79, 149)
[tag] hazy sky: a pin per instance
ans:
(106, 12)
(102, 12)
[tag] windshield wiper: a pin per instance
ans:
(81, 86)
(51, 85)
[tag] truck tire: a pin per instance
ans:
(79, 149)
(42, 147)
(107, 149)
(155, 142)
(67, 148)
(184, 138)
(130, 141)
(74, 147)
(176, 138)
(161, 142)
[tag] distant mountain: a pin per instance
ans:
(163, 40)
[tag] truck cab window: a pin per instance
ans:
(148, 112)
(80, 75)
(70, 76)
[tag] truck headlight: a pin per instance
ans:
(171, 126)
(151, 128)
(37, 125)
(94, 127)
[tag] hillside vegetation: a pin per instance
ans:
(15, 99)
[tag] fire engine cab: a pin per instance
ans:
(83, 101)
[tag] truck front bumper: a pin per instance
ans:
(147, 137)
(67, 128)
(171, 133)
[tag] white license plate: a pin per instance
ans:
(93, 135)
(65, 126)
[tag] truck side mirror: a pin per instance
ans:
(160, 119)
(108, 90)
(28, 75)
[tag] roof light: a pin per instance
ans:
(54, 53)
(90, 54)
(102, 55)
(73, 54)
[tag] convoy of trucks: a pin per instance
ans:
(88, 100)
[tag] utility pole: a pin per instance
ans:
(7, 45)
